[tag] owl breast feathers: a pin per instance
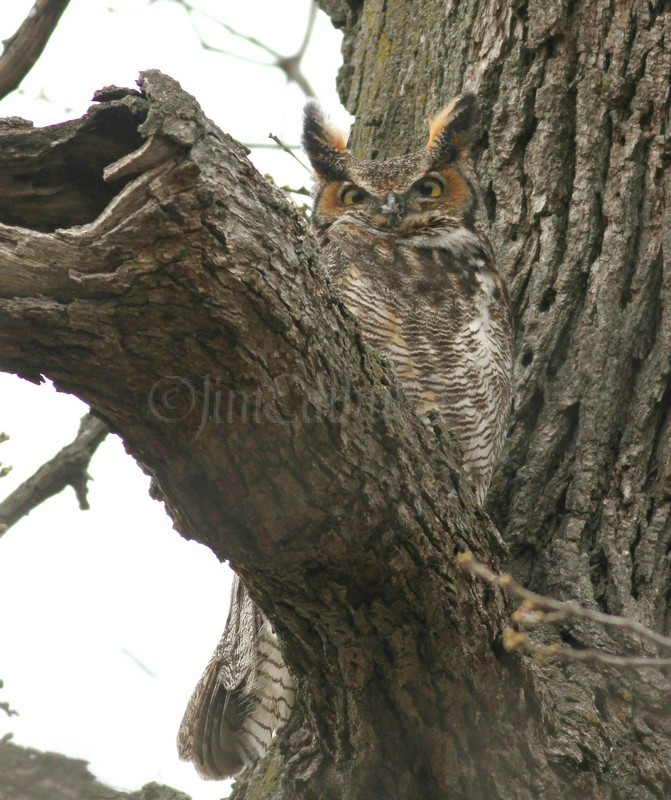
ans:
(407, 254)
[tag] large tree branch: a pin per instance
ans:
(22, 50)
(189, 309)
(159, 277)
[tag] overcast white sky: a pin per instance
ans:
(107, 617)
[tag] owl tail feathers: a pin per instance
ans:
(245, 694)
(207, 735)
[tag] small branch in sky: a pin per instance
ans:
(67, 468)
(4, 470)
(22, 50)
(267, 146)
(138, 662)
(288, 150)
(8, 710)
(537, 609)
(290, 65)
(4, 706)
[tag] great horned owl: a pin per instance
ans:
(407, 255)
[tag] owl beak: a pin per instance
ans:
(392, 209)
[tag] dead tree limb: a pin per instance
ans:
(22, 50)
(69, 467)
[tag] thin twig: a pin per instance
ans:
(238, 34)
(4, 706)
(269, 146)
(8, 710)
(288, 150)
(518, 640)
(308, 30)
(538, 609)
(4, 470)
(290, 65)
(301, 191)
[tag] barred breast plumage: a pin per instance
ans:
(437, 308)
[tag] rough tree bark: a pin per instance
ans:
(191, 312)
(189, 309)
(573, 158)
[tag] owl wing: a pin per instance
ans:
(245, 693)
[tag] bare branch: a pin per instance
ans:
(3, 470)
(67, 468)
(538, 609)
(4, 705)
(269, 146)
(233, 31)
(22, 50)
(288, 150)
(308, 30)
(301, 190)
(8, 710)
(290, 65)
(517, 640)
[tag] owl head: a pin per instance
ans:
(418, 193)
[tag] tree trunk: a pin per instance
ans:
(573, 160)
(191, 312)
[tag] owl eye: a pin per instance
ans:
(352, 196)
(430, 187)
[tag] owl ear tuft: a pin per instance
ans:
(451, 132)
(324, 145)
